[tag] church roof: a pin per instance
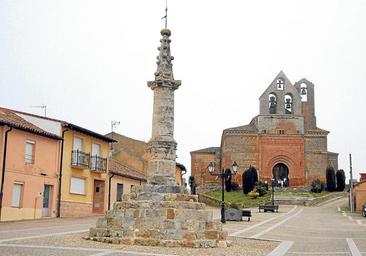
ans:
(207, 150)
(247, 128)
(316, 131)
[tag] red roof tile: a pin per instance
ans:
(10, 118)
(124, 170)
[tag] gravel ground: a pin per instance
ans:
(240, 246)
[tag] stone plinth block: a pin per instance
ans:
(150, 218)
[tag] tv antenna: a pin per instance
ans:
(41, 106)
(114, 124)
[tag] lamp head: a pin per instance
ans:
(235, 167)
(211, 167)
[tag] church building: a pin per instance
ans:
(282, 142)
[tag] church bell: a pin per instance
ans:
(303, 91)
(288, 103)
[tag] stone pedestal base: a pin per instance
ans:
(159, 219)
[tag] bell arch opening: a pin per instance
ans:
(280, 174)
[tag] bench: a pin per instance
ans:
(268, 208)
(246, 213)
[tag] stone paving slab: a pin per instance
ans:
(240, 246)
(361, 244)
(7, 251)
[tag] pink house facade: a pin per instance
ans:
(29, 165)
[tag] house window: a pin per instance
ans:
(78, 144)
(95, 154)
(131, 188)
(77, 186)
(119, 192)
(29, 151)
(17, 195)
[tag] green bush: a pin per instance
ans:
(250, 178)
(261, 188)
(253, 194)
(235, 186)
(192, 184)
(341, 180)
(228, 185)
(331, 182)
(317, 186)
(234, 206)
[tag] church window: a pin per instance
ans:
(272, 104)
(280, 84)
(288, 103)
(304, 92)
(280, 131)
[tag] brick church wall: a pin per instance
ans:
(199, 163)
(288, 150)
(242, 148)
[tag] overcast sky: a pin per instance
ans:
(89, 62)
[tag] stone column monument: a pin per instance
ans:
(160, 213)
(162, 146)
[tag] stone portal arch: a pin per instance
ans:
(280, 173)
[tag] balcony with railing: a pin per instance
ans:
(98, 164)
(80, 159)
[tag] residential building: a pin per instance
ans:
(81, 165)
(359, 192)
(84, 172)
(122, 180)
(29, 164)
(132, 154)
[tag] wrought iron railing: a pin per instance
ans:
(80, 159)
(98, 163)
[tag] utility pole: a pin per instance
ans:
(352, 206)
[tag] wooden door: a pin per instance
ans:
(98, 196)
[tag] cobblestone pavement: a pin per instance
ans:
(293, 231)
(323, 230)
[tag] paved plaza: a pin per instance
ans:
(295, 230)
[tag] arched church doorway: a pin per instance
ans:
(280, 175)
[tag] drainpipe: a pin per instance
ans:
(3, 169)
(60, 176)
(109, 191)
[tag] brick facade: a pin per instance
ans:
(283, 134)
(360, 195)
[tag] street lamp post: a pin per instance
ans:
(223, 176)
(273, 180)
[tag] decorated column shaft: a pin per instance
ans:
(162, 146)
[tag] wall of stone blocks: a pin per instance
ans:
(291, 124)
(76, 209)
(333, 160)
